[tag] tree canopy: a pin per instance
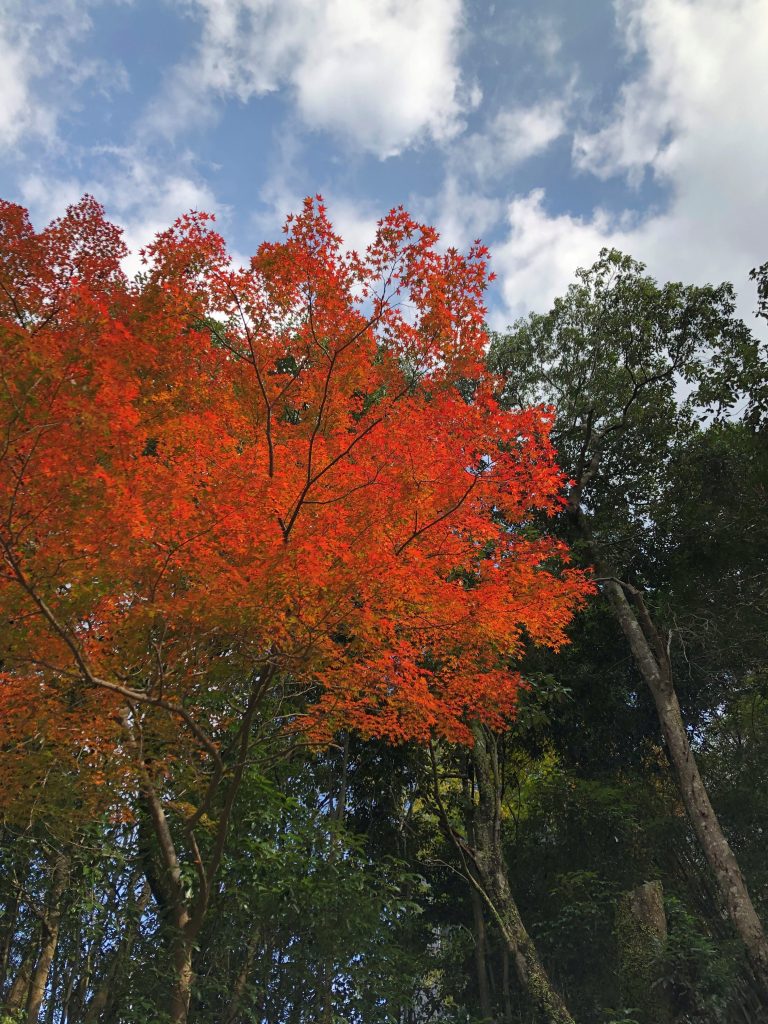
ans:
(360, 664)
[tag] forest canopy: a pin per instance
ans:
(360, 664)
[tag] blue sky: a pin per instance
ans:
(547, 127)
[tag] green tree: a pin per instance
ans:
(634, 369)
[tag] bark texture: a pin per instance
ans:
(493, 884)
(481, 956)
(107, 991)
(641, 933)
(652, 660)
(17, 995)
(50, 927)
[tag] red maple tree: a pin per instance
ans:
(213, 477)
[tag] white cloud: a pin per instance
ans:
(281, 192)
(354, 221)
(513, 136)
(48, 198)
(381, 73)
(541, 252)
(20, 114)
(40, 68)
(460, 214)
(467, 206)
(138, 195)
(547, 39)
(694, 119)
(526, 131)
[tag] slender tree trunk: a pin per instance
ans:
(105, 994)
(79, 978)
(17, 996)
(238, 989)
(641, 933)
(652, 661)
(168, 888)
(71, 989)
(97, 1005)
(189, 915)
(10, 922)
(51, 925)
(169, 891)
(481, 949)
(325, 997)
(505, 986)
(183, 977)
(327, 970)
(50, 1009)
(493, 881)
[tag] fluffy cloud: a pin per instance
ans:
(16, 112)
(460, 214)
(138, 195)
(382, 74)
(694, 120)
(514, 136)
(541, 252)
(354, 221)
(40, 70)
(21, 65)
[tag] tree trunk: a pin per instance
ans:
(97, 1004)
(165, 881)
(493, 885)
(79, 979)
(641, 933)
(51, 925)
(183, 976)
(50, 1010)
(17, 996)
(481, 965)
(505, 986)
(241, 981)
(653, 664)
(105, 994)
(168, 889)
(10, 923)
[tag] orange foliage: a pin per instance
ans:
(300, 463)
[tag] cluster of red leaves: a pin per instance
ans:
(299, 463)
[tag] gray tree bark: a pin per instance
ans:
(493, 885)
(653, 663)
